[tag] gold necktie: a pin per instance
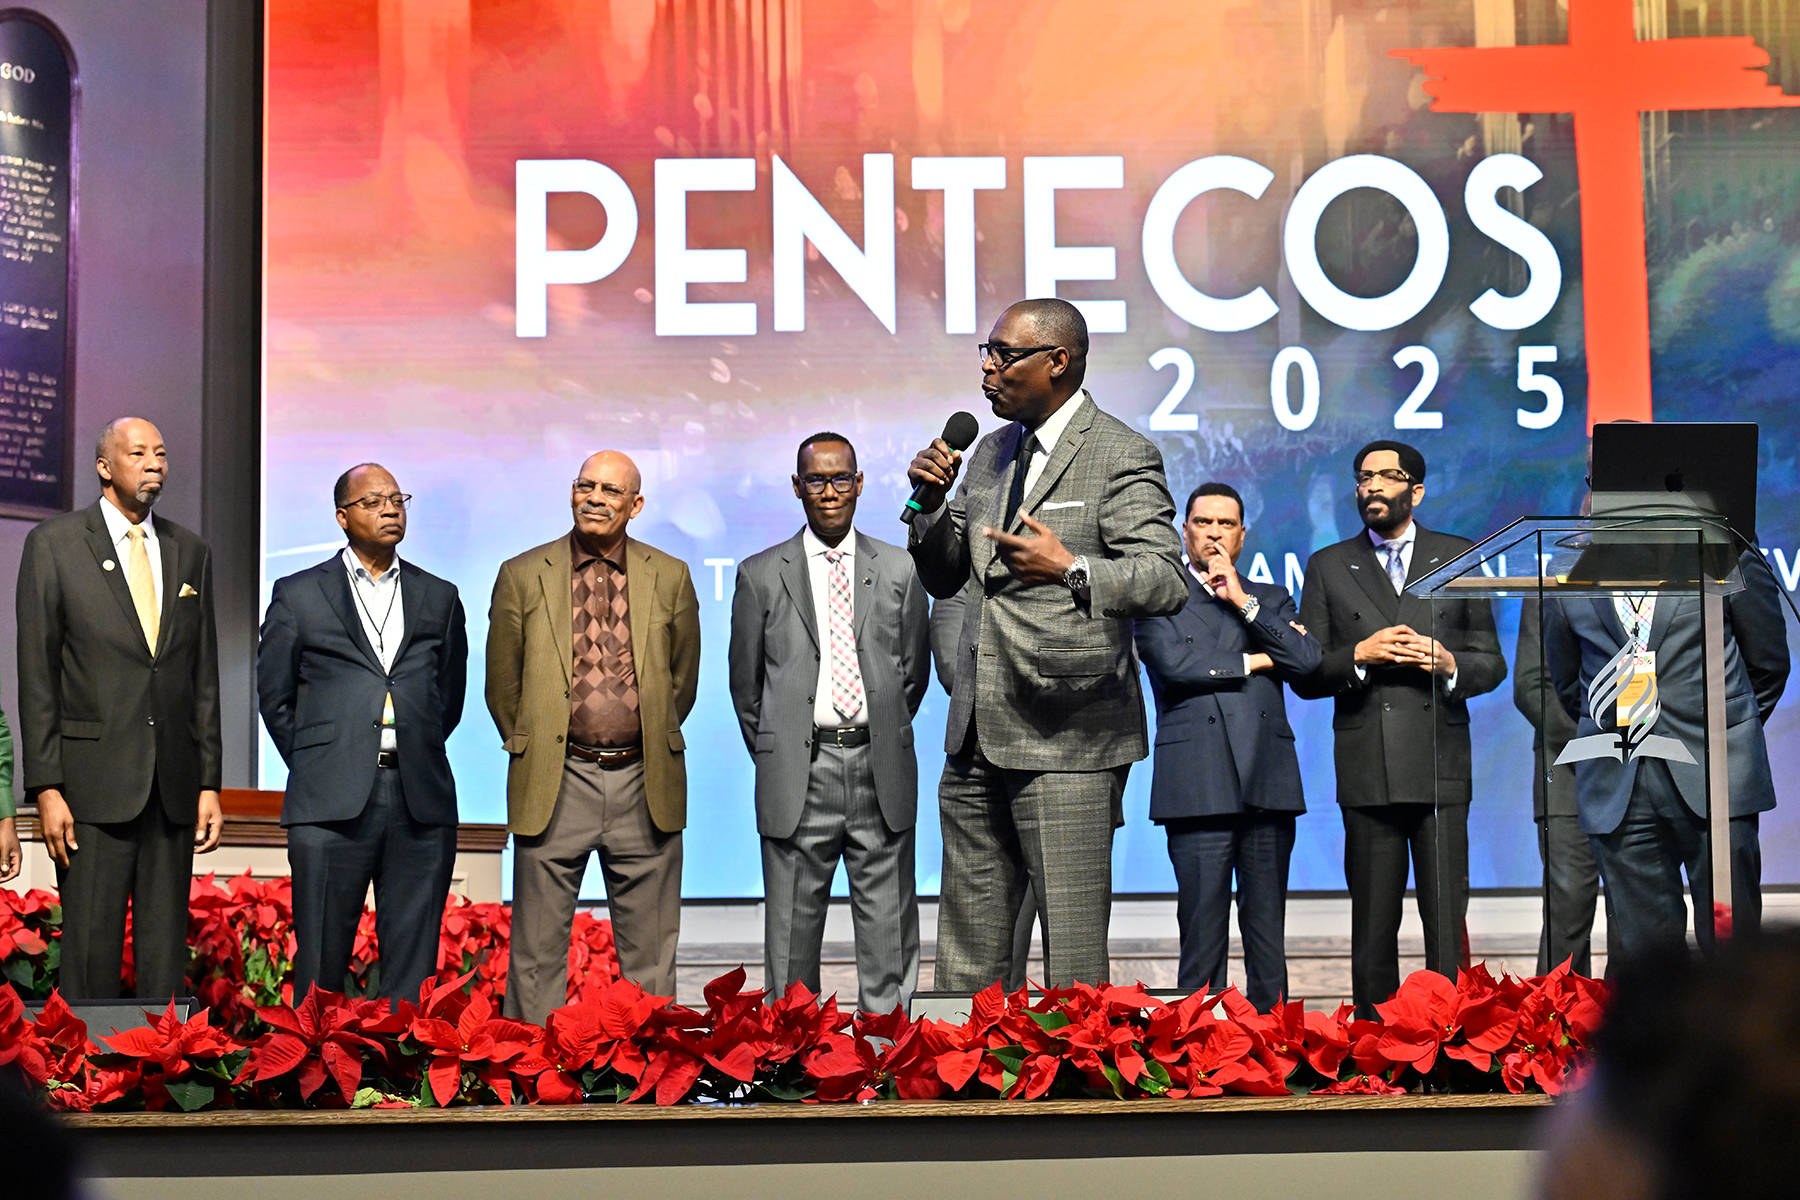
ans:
(143, 586)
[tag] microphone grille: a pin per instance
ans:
(961, 430)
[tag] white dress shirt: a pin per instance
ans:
(378, 604)
(118, 528)
(818, 574)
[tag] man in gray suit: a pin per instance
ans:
(829, 659)
(1065, 524)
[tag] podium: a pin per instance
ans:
(1686, 562)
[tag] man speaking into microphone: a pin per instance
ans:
(1065, 525)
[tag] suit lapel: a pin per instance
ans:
(559, 605)
(1370, 574)
(1428, 554)
(1666, 606)
(640, 595)
(798, 583)
(100, 543)
(412, 603)
(1067, 446)
(171, 589)
(863, 593)
(334, 582)
(1609, 617)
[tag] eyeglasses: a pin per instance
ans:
(1006, 356)
(843, 485)
(585, 487)
(372, 504)
(1390, 475)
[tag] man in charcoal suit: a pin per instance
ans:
(1571, 876)
(1643, 804)
(1400, 672)
(119, 717)
(1227, 784)
(1065, 524)
(829, 661)
(360, 675)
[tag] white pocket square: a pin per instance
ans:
(186, 591)
(1049, 505)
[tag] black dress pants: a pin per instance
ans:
(1206, 853)
(148, 861)
(334, 862)
(1377, 844)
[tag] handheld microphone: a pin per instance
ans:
(960, 431)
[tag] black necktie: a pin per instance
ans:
(1021, 466)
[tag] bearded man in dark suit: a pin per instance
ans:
(1400, 671)
(119, 717)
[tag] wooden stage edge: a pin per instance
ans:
(233, 1143)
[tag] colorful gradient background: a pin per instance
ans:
(393, 127)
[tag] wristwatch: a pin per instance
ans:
(1076, 576)
(1251, 607)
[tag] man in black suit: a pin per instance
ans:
(360, 674)
(1226, 787)
(1402, 717)
(119, 717)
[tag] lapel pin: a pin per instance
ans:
(108, 564)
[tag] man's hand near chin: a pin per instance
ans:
(1222, 577)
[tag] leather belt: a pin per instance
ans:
(841, 735)
(604, 755)
(387, 758)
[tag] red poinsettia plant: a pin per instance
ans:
(254, 1046)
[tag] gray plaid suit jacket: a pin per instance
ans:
(1055, 677)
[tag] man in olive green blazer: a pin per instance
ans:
(593, 658)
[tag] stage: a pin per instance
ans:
(1340, 1146)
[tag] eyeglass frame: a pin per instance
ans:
(1008, 356)
(1386, 475)
(400, 500)
(848, 480)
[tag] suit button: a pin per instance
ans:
(565, 693)
(1190, 641)
(1212, 672)
(152, 720)
(1356, 616)
(559, 737)
(1387, 708)
(809, 699)
(1427, 708)
(1263, 715)
(1211, 720)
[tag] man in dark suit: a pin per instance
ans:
(360, 675)
(1571, 876)
(1400, 671)
(1226, 788)
(1065, 523)
(1643, 797)
(119, 717)
(829, 661)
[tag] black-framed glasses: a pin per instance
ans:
(1006, 356)
(585, 487)
(1390, 475)
(843, 485)
(371, 504)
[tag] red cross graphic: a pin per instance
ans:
(1606, 77)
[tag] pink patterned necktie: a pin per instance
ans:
(846, 674)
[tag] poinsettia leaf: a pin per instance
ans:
(189, 1095)
(1049, 1020)
(1114, 1079)
(278, 1055)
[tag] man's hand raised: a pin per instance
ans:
(934, 469)
(1040, 558)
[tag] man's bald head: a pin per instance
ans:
(122, 428)
(1056, 323)
(604, 498)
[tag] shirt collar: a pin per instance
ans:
(1051, 431)
(809, 541)
(579, 556)
(117, 523)
(1405, 540)
(358, 571)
